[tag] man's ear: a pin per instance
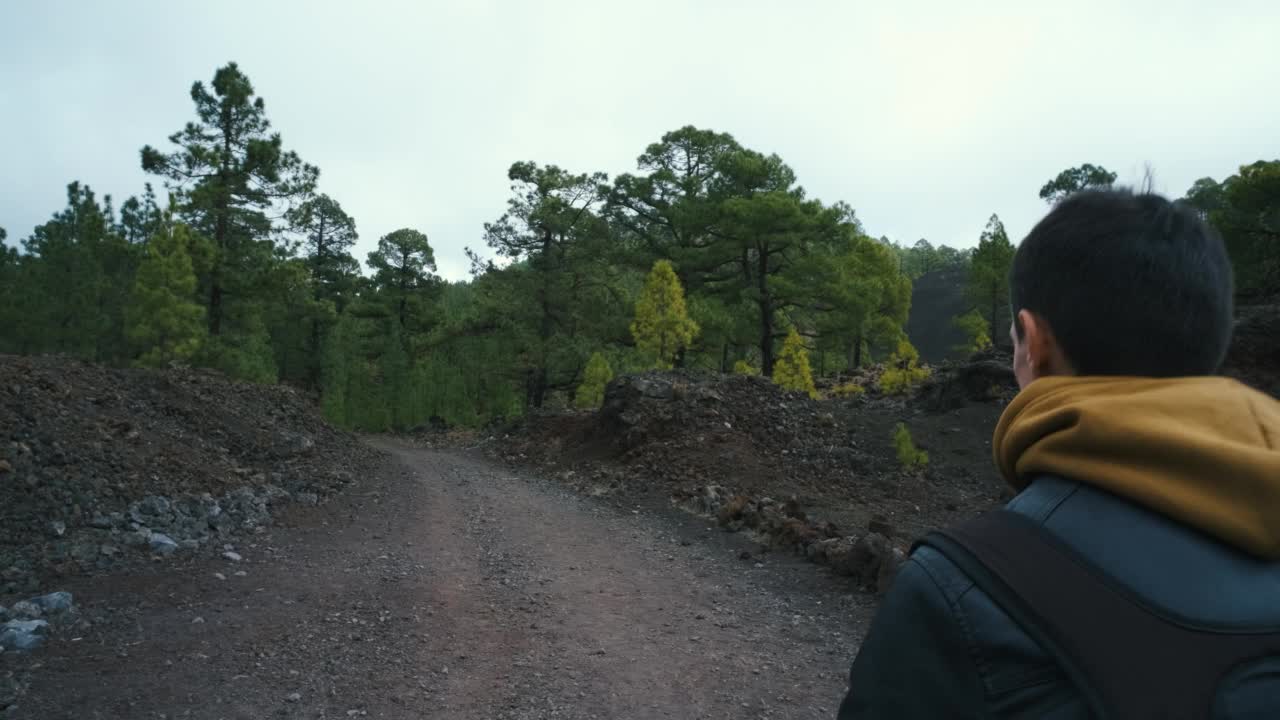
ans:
(1043, 354)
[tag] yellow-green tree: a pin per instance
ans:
(902, 371)
(975, 328)
(162, 320)
(791, 372)
(594, 379)
(662, 327)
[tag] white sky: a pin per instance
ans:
(925, 116)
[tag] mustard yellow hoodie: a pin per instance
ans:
(1204, 451)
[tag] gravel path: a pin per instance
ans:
(446, 587)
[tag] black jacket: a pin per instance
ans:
(940, 648)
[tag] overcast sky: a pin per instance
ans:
(925, 117)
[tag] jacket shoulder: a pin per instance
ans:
(1173, 567)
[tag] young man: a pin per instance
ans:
(1161, 480)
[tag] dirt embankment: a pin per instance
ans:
(102, 467)
(820, 477)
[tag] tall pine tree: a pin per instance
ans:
(228, 170)
(404, 268)
(989, 278)
(557, 242)
(328, 234)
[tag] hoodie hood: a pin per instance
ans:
(1202, 450)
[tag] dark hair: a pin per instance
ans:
(1130, 284)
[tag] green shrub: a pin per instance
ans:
(902, 371)
(597, 375)
(847, 390)
(742, 367)
(908, 454)
(975, 328)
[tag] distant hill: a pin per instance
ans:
(936, 298)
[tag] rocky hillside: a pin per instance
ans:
(1255, 349)
(100, 467)
(710, 441)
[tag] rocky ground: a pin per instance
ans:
(100, 468)
(443, 586)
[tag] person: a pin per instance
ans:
(1126, 449)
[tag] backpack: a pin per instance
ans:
(1128, 658)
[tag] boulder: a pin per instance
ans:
(162, 544)
(54, 602)
(140, 537)
(23, 635)
(871, 560)
(880, 525)
(26, 610)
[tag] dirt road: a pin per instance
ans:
(445, 587)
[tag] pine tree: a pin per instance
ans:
(989, 278)
(791, 371)
(328, 235)
(228, 170)
(558, 282)
(595, 378)
(662, 327)
(404, 270)
(163, 321)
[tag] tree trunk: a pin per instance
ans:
(318, 269)
(995, 307)
(215, 305)
(220, 228)
(539, 389)
(404, 285)
(315, 353)
(215, 282)
(766, 314)
(536, 387)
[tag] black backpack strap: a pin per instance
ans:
(956, 543)
(1127, 658)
